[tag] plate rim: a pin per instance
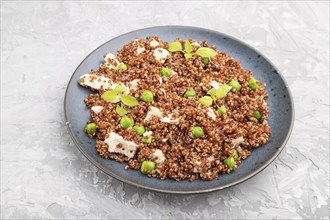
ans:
(255, 172)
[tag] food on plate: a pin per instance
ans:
(179, 110)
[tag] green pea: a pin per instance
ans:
(256, 114)
(222, 110)
(147, 96)
(235, 152)
(91, 128)
(147, 166)
(165, 72)
(147, 140)
(197, 131)
(236, 86)
(230, 162)
(253, 84)
(126, 122)
(139, 129)
(121, 66)
(190, 93)
(206, 61)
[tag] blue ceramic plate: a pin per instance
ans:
(280, 117)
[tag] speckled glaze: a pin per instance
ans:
(281, 114)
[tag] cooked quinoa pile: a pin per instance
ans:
(179, 110)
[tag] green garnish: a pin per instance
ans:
(187, 55)
(91, 128)
(120, 89)
(230, 162)
(212, 91)
(206, 61)
(175, 46)
(253, 84)
(205, 101)
(139, 129)
(222, 91)
(129, 100)
(109, 96)
(222, 110)
(235, 85)
(197, 131)
(188, 50)
(147, 96)
(256, 114)
(126, 122)
(235, 152)
(187, 47)
(206, 52)
(165, 71)
(121, 66)
(147, 140)
(147, 166)
(190, 93)
(120, 110)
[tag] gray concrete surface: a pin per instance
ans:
(43, 175)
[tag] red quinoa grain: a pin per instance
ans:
(186, 157)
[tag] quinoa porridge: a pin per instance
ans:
(182, 110)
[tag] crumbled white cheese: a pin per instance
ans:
(97, 109)
(147, 133)
(112, 58)
(158, 156)
(113, 85)
(156, 112)
(215, 84)
(95, 82)
(195, 43)
(163, 90)
(210, 158)
(210, 113)
(140, 50)
(168, 119)
(164, 140)
(173, 72)
(237, 141)
(160, 79)
(161, 54)
(197, 163)
(109, 56)
(128, 148)
(264, 103)
(134, 84)
(197, 167)
(153, 112)
(154, 43)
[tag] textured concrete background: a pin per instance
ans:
(43, 175)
